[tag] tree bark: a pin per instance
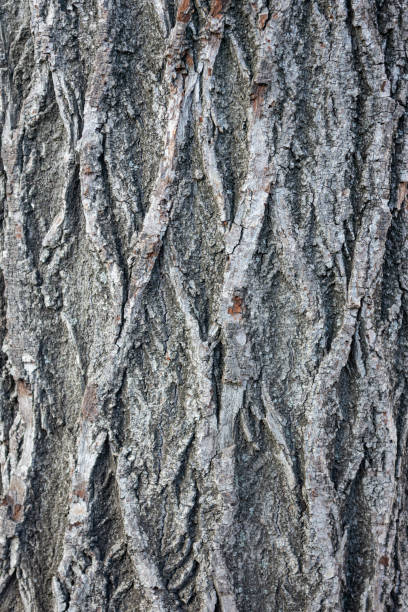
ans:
(204, 307)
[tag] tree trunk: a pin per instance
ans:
(204, 305)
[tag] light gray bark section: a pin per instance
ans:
(204, 305)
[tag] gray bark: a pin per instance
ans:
(204, 305)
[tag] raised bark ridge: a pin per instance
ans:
(203, 302)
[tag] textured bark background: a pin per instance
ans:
(204, 305)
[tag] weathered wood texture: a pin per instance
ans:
(204, 305)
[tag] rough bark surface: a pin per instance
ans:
(204, 307)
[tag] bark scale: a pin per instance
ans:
(204, 305)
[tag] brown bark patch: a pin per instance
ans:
(402, 193)
(76, 524)
(262, 19)
(236, 307)
(218, 7)
(23, 389)
(89, 409)
(258, 98)
(384, 560)
(7, 500)
(17, 512)
(184, 11)
(151, 256)
(80, 492)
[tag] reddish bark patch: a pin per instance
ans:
(17, 512)
(80, 492)
(184, 11)
(236, 307)
(218, 7)
(384, 560)
(89, 409)
(7, 500)
(262, 19)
